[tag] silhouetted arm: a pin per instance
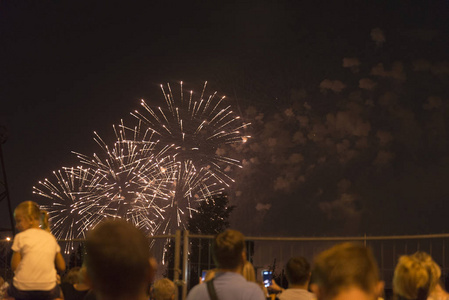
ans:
(59, 262)
(15, 260)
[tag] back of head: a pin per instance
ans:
(297, 270)
(228, 247)
(118, 259)
(346, 266)
(31, 210)
(411, 279)
(432, 268)
(28, 209)
(164, 289)
(72, 276)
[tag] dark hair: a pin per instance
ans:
(227, 249)
(297, 270)
(345, 265)
(117, 259)
(72, 275)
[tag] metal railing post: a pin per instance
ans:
(185, 256)
(444, 256)
(200, 245)
(209, 254)
(176, 269)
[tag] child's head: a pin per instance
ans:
(118, 260)
(28, 215)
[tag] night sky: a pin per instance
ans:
(349, 101)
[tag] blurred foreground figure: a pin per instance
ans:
(73, 285)
(3, 286)
(229, 254)
(118, 262)
(346, 271)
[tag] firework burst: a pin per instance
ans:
(187, 187)
(69, 216)
(198, 130)
(129, 180)
(155, 172)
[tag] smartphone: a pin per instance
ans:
(267, 276)
(203, 275)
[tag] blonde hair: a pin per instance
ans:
(164, 289)
(31, 210)
(248, 272)
(411, 278)
(432, 268)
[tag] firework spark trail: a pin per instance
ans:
(196, 129)
(182, 184)
(128, 180)
(69, 217)
(188, 186)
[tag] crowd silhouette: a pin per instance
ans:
(118, 265)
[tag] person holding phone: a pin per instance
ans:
(297, 271)
(267, 278)
(229, 254)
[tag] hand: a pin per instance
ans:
(274, 287)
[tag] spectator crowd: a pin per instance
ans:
(119, 266)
